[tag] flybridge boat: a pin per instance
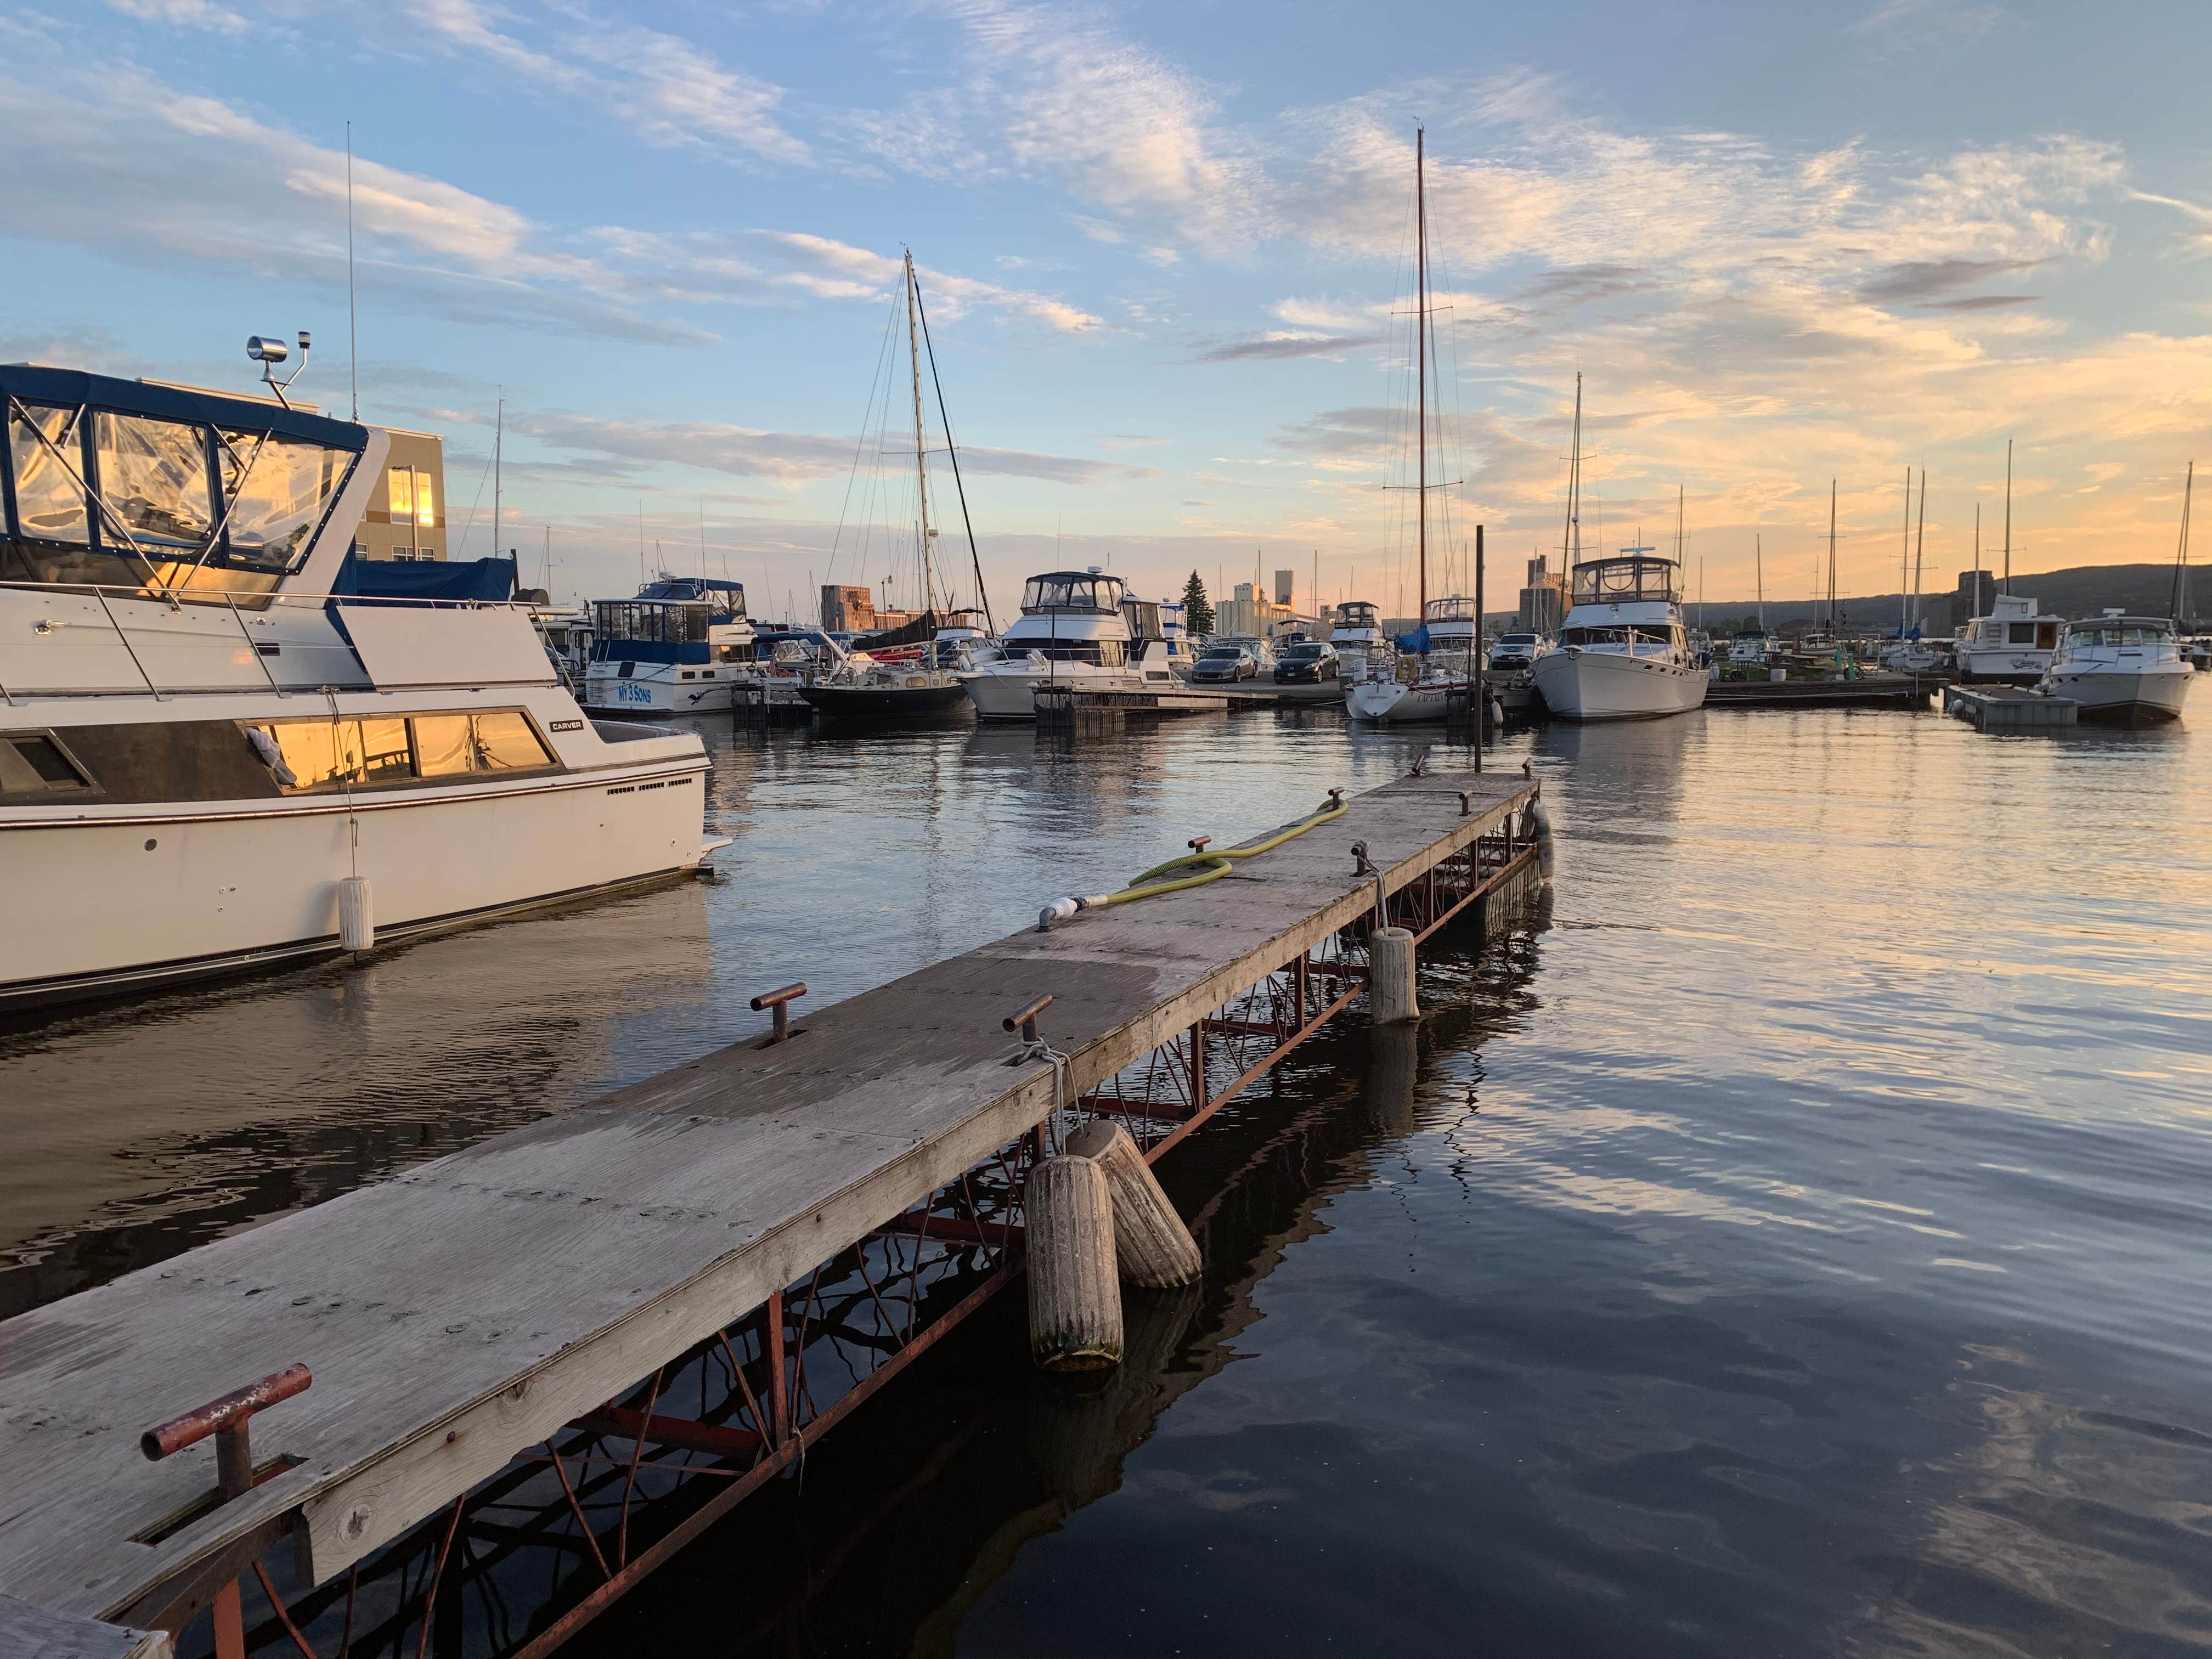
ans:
(2122, 668)
(2011, 646)
(1622, 652)
(674, 649)
(1073, 630)
(223, 747)
(1357, 637)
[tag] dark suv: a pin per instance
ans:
(1308, 663)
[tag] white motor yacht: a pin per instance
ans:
(674, 649)
(2011, 646)
(1450, 626)
(1072, 631)
(1749, 648)
(2121, 668)
(1357, 637)
(222, 745)
(1622, 652)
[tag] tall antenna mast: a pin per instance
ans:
(353, 316)
(498, 461)
(1421, 353)
(1978, 563)
(1759, 576)
(920, 467)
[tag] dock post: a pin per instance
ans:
(779, 1404)
(1154, 1248)
(1075, 1298)
(1390, 998)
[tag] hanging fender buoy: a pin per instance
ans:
(1539, 823)
(356, 914)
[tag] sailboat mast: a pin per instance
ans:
(2008, 546)
(498, 464)
(1919, 546)
(953, 454)
(1831, 559)
(1978, 563)
(921, 466)
(1904, 562)
(1421, 353)
(2181, 553)
(1573, 550)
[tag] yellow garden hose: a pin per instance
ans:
(1204, 865)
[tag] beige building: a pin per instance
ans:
(406, 517)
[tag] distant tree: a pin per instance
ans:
(1197, 609)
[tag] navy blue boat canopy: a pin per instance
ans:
(448, 579)
(129, 483)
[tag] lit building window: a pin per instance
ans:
(425, 513)
(401, 487)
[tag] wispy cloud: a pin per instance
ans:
(790, 458)
(1282, 346)
(184, 15)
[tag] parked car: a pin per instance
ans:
(1514, 652)
(1227, 662)
(1308, 662)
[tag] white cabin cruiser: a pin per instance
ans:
(1357, 637)
(2121, 668)
(674, 649)
(1072, 631)
(1749, 648)
(222, 746)
(1622, 652)
(1447, 645)
(2011, 646)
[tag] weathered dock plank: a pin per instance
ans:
(461, 1312)
(29, 1633)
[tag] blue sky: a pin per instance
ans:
(1164, 248)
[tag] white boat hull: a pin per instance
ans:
(1392, 702)
(658, 688)
(2153, 696)
(1577, 685)
(2020, 666)
(1007, 691)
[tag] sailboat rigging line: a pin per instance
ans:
(920, 459)
(982, 594)
(2181, 552)
(861, 443)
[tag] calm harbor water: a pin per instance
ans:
(1792, 1240)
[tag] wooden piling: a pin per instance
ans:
(1391, 999)
(1075, 1299)
(1153, 1245)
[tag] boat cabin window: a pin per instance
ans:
(325, 754)
(2034, 633)
(1143, 616)
(1068, 591)
(108, 497)
(1107, 653)
(1645, 637)
(2116, 633)
(1355, 613)
(669, 624)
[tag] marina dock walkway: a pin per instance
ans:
(457, 1313)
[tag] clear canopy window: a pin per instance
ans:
(117, 497)
(1069, 592)
(1627, 581)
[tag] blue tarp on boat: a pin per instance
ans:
(448, 579)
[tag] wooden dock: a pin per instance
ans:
(510, 1296)
(2009, 709)
(1878, 690)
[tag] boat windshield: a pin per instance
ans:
(128, 497)
(1072, 591)
(1627, 581)
(1643, 636)
(2114, 630)
(1454, 608)
(1355, 613)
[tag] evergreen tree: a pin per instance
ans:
(1197, 609)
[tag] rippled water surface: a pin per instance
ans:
(1793, 1240)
